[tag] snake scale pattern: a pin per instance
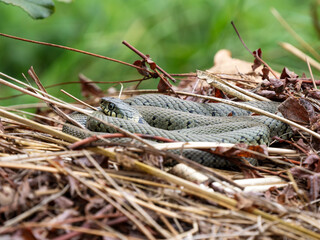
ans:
(182, 120)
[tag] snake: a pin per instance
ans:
(184, 121)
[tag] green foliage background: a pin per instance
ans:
(181, 36)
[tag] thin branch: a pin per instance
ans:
(294, 34)
(254, 55)
(70, 49)
(311, 74)
(239, 36)
(145, 58)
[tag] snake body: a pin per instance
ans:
(181, 120)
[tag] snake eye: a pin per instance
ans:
(111, 106)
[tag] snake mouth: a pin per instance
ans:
(109, 113)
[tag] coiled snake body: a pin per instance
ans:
(182, 120)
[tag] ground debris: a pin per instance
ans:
(50, 191)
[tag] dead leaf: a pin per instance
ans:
(303, 145)
(295, 110)
(63, 202)
(142, 64)
(257, 63)
(286, 73)
(88, 88)
(313, 162)
(272, 95)
(278, 85)
(224, 63)
(27, 234)
(287, 193)
(312, 178)
(265, 73)
(314, 94)
(163, 85)
(235, 152)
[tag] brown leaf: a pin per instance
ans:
(308, 107)
(270, 94)
(63, 202)
(314, 94)
(235, 152)
(218, 93)
(295, 110)
(313, 162)
(142, 64)
(303, 145)
(278, 85)
(286, 194)
(256, 62)
(299, 173)
(313, 181)
(163, 85)
(27, 234)
(286, 73)
(88, 88)
(265, 73)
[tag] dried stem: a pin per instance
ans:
(254, 55)
(70, 49)
(145, 58)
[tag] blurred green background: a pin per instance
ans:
(181, 36)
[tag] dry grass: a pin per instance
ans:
(50, 191)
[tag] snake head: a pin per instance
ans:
(115, 107)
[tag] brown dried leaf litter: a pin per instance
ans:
(121, 192)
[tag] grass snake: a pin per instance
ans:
(182, 120)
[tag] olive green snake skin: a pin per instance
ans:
(187, 121)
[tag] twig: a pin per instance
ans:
(71, 49)
(78, 100)
(55, 108)
(145, 58)
(47, 129)
(239, 36)
(127, 196)
(94, 138)
(166, 82)
(228, 88)
(220, 199)
(70, 138)
(141, 227)
(254, 55)
(269, 68)
(310, 71)
(295, 51)
(315, 17)
(31, 211)
(294, 34)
